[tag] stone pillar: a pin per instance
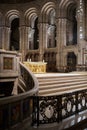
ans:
(80, 30)
(26, 40)
(5, 38)
(2, 29)
(31, 38)
(22, 41)
(85, 19)
(61, 41)
(79, 17)
(1, 37)
(42, 39)
(52, 36)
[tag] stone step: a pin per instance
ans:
(60, 82)
(49, 87)
(41, 79)
(55, 84)
(57, 91)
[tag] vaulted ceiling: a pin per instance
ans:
(14, 1)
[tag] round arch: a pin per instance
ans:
(45, 11)
(65, 6)
(12, 19)
(31, 21)
(30, 16)
(10, 15)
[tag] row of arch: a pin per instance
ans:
(49, 13)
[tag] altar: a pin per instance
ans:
(36, 67)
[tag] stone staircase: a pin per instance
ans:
(55, 84)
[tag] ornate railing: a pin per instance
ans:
(51, 109)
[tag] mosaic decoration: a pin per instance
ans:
(48, 109)
(68, 105)
(8, 63)
(51, 109)
(82, 101)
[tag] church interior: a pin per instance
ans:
(43, 64)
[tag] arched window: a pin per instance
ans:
(14, 37)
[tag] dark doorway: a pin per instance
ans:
(71, 61)
(14, 38)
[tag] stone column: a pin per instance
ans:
(31, 32)
(26, 40)
(7, 38)
(52, 35)
(2, 35)
(80, 30)
(61, 41)
(42, 39)
(22, 41)
(79, 17)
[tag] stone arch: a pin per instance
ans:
(67, 10)
(30, 16)
(31, 21)
(48, 16)
(10, 16)
(64, 4)
(45, 11)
